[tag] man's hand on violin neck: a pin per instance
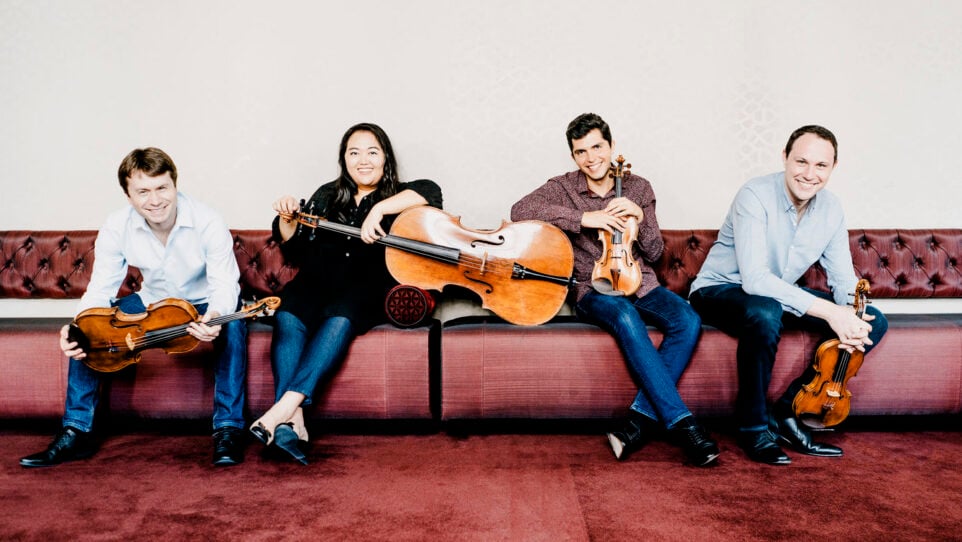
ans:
(201, 331)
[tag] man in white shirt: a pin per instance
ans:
(184, 250)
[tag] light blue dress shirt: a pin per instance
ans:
(764, 247)
(197, 264)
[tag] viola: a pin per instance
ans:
(616, 272)
(113, 339)
(521, 271)
(825, 401)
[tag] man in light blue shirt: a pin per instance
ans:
(777, 227)
(184, 250)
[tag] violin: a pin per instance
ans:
(521, 271)
(616, 272)
(113, 339)
(826, 401)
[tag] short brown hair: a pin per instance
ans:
(151, 161)
(818, 131)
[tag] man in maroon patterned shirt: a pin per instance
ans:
(582, 203)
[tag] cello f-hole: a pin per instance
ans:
(474, 243)
(488, 287)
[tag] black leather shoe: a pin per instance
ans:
(761, 447)
(638, 431)
(791, 433)
(228, 446)
(286, 439)
(698, 446)
(69, 444)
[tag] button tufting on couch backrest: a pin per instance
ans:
(45, 264)
(898, 263)
(263, 269)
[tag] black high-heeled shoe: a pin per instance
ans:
(261, 433)
(286, 439)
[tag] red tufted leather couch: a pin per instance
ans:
(570, 369)
(388, 372)
(481, 367)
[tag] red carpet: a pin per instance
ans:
(152, 485)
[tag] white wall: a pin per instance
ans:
(251, 98)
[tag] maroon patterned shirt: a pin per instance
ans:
(564, 199)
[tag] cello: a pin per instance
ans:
(521, 271)
(616, 272)
(826, 400)
(113, 339)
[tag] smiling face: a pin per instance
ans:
(807, 168)
(592, 153)
(154, 198)
(364, 159)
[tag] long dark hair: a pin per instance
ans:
(345, 186)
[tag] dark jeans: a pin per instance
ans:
(657, 370)
(757, 322)
(301, 357)
(83, 383)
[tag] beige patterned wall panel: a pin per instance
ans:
(251, 98)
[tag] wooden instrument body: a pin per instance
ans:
(113, 339)
(826, 401)
(112, 336)
(484, 262)
(616, 272)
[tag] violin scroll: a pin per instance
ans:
(619, 169)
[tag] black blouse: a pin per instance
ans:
(338, 274)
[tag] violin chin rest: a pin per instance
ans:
(604, 287)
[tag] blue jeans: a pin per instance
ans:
(657, 370)
(301, 357)
(757, 322)
(83, 383)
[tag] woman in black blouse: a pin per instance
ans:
(339, 290)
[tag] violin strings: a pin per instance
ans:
(493, 264)
(162, 335)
